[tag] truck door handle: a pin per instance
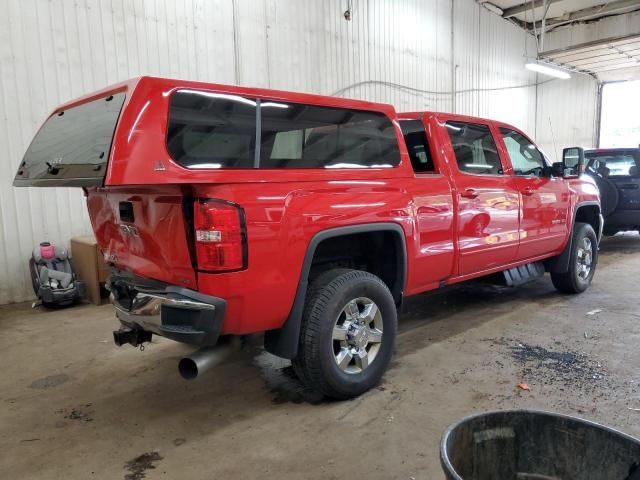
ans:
(629, 186)
(469, 193)
(527, 191)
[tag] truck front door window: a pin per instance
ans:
(474, 148)
(525, 157)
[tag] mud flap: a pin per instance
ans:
(524, 273)
(560, 263)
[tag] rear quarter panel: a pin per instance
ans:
(281, 220)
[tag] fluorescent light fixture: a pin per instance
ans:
(547, 69)
(493, 8)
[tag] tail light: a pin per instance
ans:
(219, 236)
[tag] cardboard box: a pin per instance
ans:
(89, 265)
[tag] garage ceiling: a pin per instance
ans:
(604, 58)
(561, 12)
(610, 59)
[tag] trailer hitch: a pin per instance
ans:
(133, 336)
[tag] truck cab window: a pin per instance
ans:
(525, 157)
(417, 146)
(474, 148)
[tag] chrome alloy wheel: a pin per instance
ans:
(585, 258)
(357, 335)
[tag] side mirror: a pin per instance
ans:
(572, 161)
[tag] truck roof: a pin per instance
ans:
(262, 93)
(456, 116)
(266, 93)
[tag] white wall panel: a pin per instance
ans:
(489, 56)
(396, 51)
(566, 114)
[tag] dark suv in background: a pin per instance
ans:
(617, 173)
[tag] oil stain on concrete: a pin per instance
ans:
(49, 381)
(138, 466)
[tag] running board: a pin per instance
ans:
(524, 273)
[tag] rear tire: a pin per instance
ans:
(582, 262)
(348, 331)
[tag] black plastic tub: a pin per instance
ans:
(531, 445)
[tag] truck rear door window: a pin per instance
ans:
(211, 130)
(417, 146)
(475, 148)
(307, 136)
(72, 147)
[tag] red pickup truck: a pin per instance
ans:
(227, 211)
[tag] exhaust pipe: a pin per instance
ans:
(200, 361)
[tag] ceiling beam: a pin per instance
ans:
(524, 7)
(608, 63)
(615, 67)
(586, 58)
(606, 55)
(594, 44)
(610, 8)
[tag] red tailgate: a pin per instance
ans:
(144, 230)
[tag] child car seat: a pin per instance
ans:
(52, 276)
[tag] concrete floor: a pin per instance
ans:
(73, 406)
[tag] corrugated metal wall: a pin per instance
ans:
(396, 51)
(489, 56)
(566, 114)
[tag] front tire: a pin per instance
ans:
(348, 331)
(582, 262)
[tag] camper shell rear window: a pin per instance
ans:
(215, 130)
(72, 147)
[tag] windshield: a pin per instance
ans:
(72, 147)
